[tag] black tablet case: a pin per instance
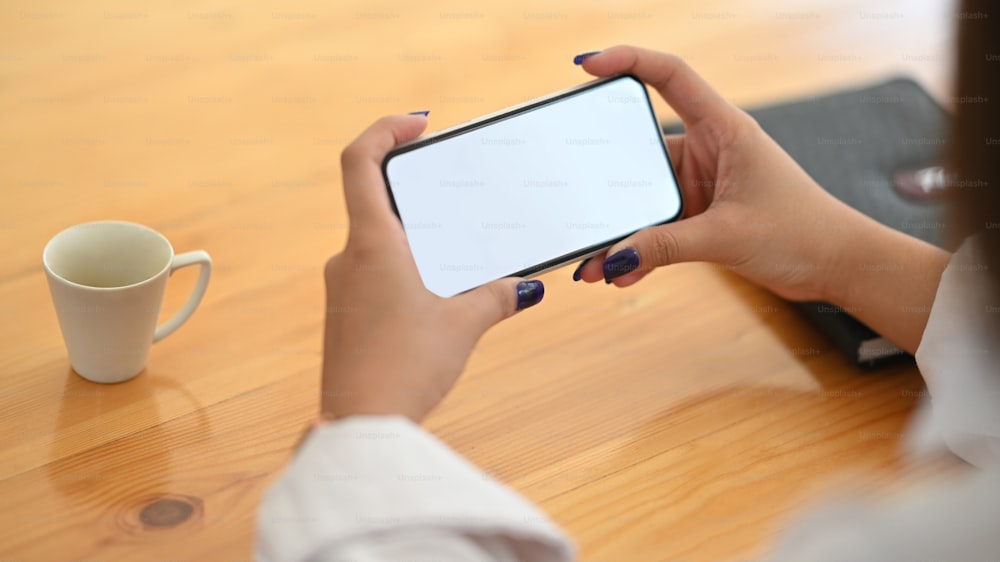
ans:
(852, 143)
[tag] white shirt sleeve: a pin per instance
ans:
(957, 522)
(374, 489)
(958, 360)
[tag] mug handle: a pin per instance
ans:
(199, 257)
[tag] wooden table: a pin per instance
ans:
(688, 417)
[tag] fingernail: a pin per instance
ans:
(578, 59)
(579, 268)
(529, 293)
(620, 263)
(424, 112)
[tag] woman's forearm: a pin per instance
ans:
(887, 280)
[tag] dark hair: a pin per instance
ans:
(974, 147)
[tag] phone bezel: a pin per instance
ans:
(487, 120)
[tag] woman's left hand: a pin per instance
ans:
(392, 347)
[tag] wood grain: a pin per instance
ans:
(686, 418)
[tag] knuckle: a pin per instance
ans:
(333, 269)
(746, 124)
(675, 61)
(665, 248)
(361, 248)
(350, 154)
(504, 299)
(332, 263)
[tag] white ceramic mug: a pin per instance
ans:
(107, 281)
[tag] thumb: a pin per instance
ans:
(495, 301)
(690, 239)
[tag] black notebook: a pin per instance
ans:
(859, 144)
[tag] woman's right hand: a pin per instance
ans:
(748, 205)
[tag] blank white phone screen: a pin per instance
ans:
(534, 187)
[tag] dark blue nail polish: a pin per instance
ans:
(578, 59)
(579, 268)
(529, 293)
(424, 112)
(620, 263)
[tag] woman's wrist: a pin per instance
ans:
(338, 404)
(886, 279)
(849, 242)
(320, 420)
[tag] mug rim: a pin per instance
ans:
(150, 279)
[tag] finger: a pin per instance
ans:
(675, 151)
(589, 270)
(489, 304)
(675, 147)
(630, 278)
(687, 92)
(692, 239)
(693, 191)
(361, 162)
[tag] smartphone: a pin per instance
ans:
(533, 187)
